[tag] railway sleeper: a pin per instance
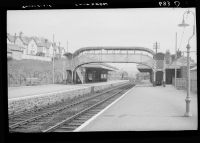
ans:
(95, 110)
(90, 114)
(73, 124)
(77, 122)
(82, 118)
(64, 129)
(85, 116)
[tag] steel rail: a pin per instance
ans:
(80, 113)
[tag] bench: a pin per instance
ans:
(32, 81)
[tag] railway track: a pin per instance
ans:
(52, 118)
(73, 122)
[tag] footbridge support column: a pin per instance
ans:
(164, 78)
(72, 76)
(154, 78)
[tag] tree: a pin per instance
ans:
(168, 57)
(179, 54)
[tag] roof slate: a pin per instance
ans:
(40, 41)
(25, 39)
(11, 38)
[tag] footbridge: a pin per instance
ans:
(86, 55)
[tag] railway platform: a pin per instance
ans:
(146, 108)
(26, 98)
(29, 91)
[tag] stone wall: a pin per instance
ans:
(37, 101)
(22, 104)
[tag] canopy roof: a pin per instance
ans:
(100, 65)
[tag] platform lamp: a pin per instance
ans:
(188, 98)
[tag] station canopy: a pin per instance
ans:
(140, 66)
(100, 65)
(180, 62)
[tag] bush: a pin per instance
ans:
(18, 71)
(40, 54)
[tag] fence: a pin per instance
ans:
(181, 83)
(36, 57)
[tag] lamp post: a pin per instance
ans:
(164, 72)
(53, 60)
(188, 98)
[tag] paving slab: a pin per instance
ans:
(146, 108)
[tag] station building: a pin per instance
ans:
(95, 72)
(167, 66)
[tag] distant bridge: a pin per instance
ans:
(86, 55)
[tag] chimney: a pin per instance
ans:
(20, 34)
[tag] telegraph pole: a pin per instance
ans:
(65, 63)
(53, 58)
(175, 61)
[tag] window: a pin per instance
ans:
(89, 76)
(103, 76)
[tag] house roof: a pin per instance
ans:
(25, 39)
(11, 38)
(42, 42)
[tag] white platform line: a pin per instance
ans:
(95, 116)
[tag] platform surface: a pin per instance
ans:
(23, 91)
(146, 108)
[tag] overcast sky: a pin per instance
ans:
(106, 27)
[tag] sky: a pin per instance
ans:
(78, 28)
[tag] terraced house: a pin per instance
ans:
(30, 47)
